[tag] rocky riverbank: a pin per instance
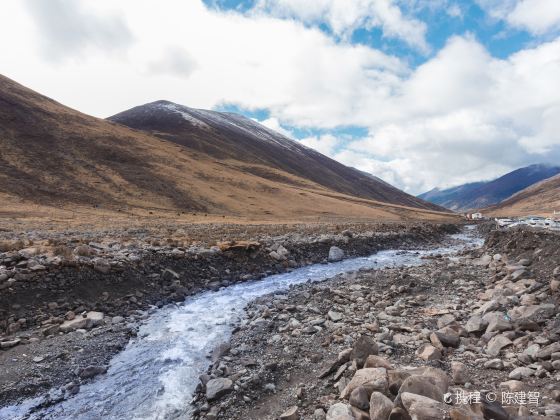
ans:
(68, 301)
(473, 336)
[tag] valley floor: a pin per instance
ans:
(395, 342)
(71, 298)
(359, 346)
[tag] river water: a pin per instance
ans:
(155, 376)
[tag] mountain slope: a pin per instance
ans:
(229, 136)
(483, 194)
(54, 158)
(541, 198)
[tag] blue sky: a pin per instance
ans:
(443, 20)
(484, 21)
(422, 93)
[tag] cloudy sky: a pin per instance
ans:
(421, 93)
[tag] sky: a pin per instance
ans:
(422, 93)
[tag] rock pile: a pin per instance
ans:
(462, 337)
(83, 293)
(120, 277)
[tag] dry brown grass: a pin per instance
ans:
(542, 199)
(61, 166)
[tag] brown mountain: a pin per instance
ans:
(229, 136)
(53, 157)
(542, 198)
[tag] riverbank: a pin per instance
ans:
(69, 301)
(395, 342)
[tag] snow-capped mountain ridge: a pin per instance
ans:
(227, 136)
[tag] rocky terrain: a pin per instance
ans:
(70, 299)
(470, 336)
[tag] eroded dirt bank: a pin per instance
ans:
(70, 301)
(403, 343)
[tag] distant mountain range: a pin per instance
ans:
(166, 159)
(542, 198)
(480, 195)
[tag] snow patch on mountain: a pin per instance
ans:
(188, 117)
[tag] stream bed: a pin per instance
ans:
(155, 376)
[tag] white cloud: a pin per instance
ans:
(174, 61)
(466, 116)
(454, 10)
(345, 16)
(275, 125)
(68, 28)
(536, 16)
(325, 144)
(462, 116)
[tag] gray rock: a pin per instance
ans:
(319, 414)
(379, 406)
(521, 373)
(445, 320)
(496, 344)
(335, 316)
(497, 364)
(92, 319)
(484, 261)
(546, 352)
(475, 324)
(101, 265)
(421, 407)
(91, 371)
(335, 254)
(340, 411)
(10, 343)
(459, 373)
(533, 312)
(373, 379)
(420, 385)
(362, 348)
(359, 398)
(217, 388)
(428, 352)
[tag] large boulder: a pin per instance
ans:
(335, 254)
(372, 379)
(428, 352)
(420, 385)
(379, 406)
(496, 344)
(547, 351)
(340, 411)
(459, 373)
(362, 348)
(217, 388)
(92, 319)
(536, 313)
(420, 407)
(374, 361)
(359, 398)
